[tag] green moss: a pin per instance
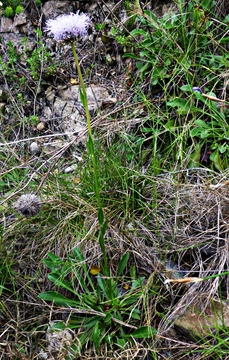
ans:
(19, 9)
(9, 12)
(12, 7)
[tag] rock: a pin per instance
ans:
(20, 19)
(17, 41)
(2, 108)
(95, 94)
(41, 126)
(70, 169)
(5, 24)
(3, 95)
(203, 318)
(52, 147)
(52, 9)
(65, 106)
(34, 148)
(58, 342)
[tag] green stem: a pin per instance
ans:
(91, 149)
(88, 118)
(83, 89)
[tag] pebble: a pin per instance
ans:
(70, 169)
(40, 126)
(34, 148)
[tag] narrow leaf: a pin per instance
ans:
(55, 278)
(57, 298)
(100, 216)
(144, 332)
(82, 98)
(122, 264)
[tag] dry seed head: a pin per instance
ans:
(28, 205)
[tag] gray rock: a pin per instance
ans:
(34, 148)
(52, 9)
(5, 24)
(65, 107)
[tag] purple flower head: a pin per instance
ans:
(68, 26)
(197, 89)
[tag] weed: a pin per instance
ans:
(106, 309)
(169, 52)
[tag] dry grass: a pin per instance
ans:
(181, 231)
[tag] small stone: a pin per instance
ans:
(34, 148)
(2, 108)
(40, 126)
(5, 24)
(70, 169)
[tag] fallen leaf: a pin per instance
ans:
(184, 280)
(73, 81)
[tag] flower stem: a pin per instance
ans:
(88, 118)
(83, 89)
(102, 223)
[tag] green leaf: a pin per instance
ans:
(147, 43)
(183, 106)
(78, 255)
(144, 332)
(224, 40)
(96, 336)
(58, 326)
(223, 148)
(132, 56)
(135, 314)
(100, 216)
(58, 299)
(90, 323)
(55, 278)
(202, 124)
(83, 98)
(217, 161)
(120, 342)
(122, 263)
(52, 261)
(102, 285)
(101, 236)
(194, 160)
(207, 4)
(90, 146)
(108, 317)
(138, 32)
(138, 282)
